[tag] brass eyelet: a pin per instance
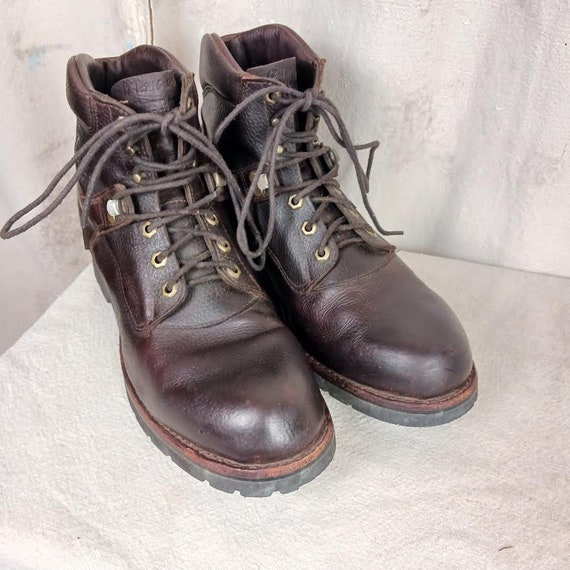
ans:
(130, 151)
(169, 289)
(136, 178)
(234, 272)
(212, 219)
(156, 261)
(324, 255)
(294, 204)
(219, 180)
(145, 231)
(224, 245)
(280, 149)
(274, 121)
(270, 98)
(308, 231)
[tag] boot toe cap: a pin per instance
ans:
(253, 404)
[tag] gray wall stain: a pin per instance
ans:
(32, 55)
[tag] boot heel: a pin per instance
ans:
(101, 280)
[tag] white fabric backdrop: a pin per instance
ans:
(470, 100)
(82, 487)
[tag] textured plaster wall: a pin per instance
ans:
(37, 133)
(470, 100)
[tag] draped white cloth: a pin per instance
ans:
(81, 486)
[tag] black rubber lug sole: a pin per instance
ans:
(417, 419)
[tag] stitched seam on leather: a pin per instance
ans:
(209, 89)
(357, 278)
(297, 288)
(249, 467)
(395, 396)
(242, 310)
(327, 424)
(257, 292)
(125, 303)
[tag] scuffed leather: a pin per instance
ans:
(214, 364)
(363, 314)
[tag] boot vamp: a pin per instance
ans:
(241, 389)
(387, 330)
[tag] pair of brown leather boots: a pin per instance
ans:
(241, 276)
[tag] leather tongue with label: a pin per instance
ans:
(148, 93)
(284, 71)
(160, 92)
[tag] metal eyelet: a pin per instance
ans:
(262, 184)
(224, 245)
(212, 219)
(145, 230)
(136, 178)
(308, 231)
(130, 151)
(219, 180)
(294, 204)
(280, 149)
(274, 121)
(169, 289)
(156, 261)
(323, 255)
(270, 98)
(234, 272)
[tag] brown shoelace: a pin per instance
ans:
(126, 132)
(275, 157)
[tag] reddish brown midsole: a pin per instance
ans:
(222, 466)
(399, 402)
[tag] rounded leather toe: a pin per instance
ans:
(252, 399)
(391, 332)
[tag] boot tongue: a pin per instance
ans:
(159, 92)
(283, 71)
(148, 93)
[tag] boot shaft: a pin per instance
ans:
(316, 226)
(128, 226)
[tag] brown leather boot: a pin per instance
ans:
(379, 338)
(212, 374)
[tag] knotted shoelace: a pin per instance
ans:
(125, 133)
(275, 156)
